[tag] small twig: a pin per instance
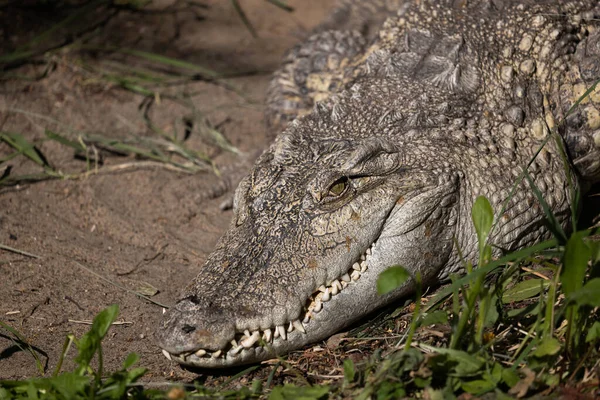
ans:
(502, 356)
(48, 174)
(371, 338)
(17, 251)
(90, 322)
(325, 376)
(69, 298)
(533, 272)
(126, 166)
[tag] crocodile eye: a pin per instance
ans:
(338, 187)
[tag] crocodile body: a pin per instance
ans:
(390, 129)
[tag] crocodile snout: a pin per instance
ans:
(189, 327)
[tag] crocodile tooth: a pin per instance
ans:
(322, 288)
(247, 333)
(268, 335)
(298, 326)
(200, 353)
(363, 257)
(282, 333)
(306, 318)
(363, 267)
(344, 284)
(346, 277)
(234, 343)
(369, 251)
(216, 354)
(355, 275)
(167, 354)
(290, 327)
(318, 306)
(326, 296)
(249, 342)
(235, 350)
(335, 287)
(356, 266)
(276, 334)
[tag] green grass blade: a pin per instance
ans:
(218, 139)
(22, 145)
(160, 59)
(238, 8)
(482, 216)
(281, 5)
(9, 157)
(582, 97)
(22, 341)
(553, 225)
(66, 346)
(588, 295)
(575, 191)
(16, 56)
(575, 261)
(27, 52)
(27, 178)
(466, 363)
(490, 267)
(128, 84)
(64, 141)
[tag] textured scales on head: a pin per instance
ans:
(392, 137)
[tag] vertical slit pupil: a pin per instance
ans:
(339, 186)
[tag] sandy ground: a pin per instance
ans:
(138, 226)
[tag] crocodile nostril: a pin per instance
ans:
(193, 299)
(188, 328)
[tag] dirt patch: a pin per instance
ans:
(140, 226)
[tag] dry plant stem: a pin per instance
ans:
(17, 251)
(126, 166)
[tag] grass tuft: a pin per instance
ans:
(87, 379)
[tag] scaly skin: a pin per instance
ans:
(392, 140)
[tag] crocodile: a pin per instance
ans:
(392, 118)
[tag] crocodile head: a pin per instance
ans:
(384, 174)
(324, 211)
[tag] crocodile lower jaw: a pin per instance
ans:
(249, 346)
